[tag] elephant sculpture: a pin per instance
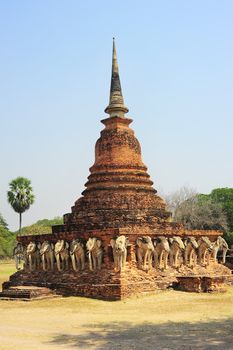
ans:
(47, 255)
(190, 253)
(205, 248)
(119, 247)
(32, 256)
(161, 252)
(19, 255)
(144, 250)
(176, 249)
(95, 253)
(220, 245)
(77, 255)
(62, 255)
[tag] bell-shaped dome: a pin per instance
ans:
(119, 191)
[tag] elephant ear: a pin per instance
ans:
(67, 245)
(181, 243)
(170, 240)
(57, 246)
(72, 247)
(139, 242)
(99, 243)
(113, 243)
(126, 241)
(89, 243)
(39, 245)
(224, 243)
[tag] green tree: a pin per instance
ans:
(43, 226)
(204, 211)
(3, 222)
(35, 230)
(224, 196)
(57, 220)
(201, 213)
(20, 196)
(7, 242)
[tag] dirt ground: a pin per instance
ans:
(166, 320)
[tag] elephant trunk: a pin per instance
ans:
(90, 260)
(30, 262)
(58, 262)
(17, 262)
(73, 260)
(43, 262)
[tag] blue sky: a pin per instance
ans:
(176, 67)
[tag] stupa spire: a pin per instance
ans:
(116, 105)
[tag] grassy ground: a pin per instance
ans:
(167, 320)
(6, 269)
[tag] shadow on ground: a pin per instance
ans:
(203, 335)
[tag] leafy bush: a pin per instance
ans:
(35, 230)
(7, 242)
(41, 227)
(3, 222)
(229, 238)
(50, 222)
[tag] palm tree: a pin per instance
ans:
(20, 196)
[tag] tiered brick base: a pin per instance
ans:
(10, 291)
(200, 284)
(109, 285)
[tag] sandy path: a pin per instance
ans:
(168, 320)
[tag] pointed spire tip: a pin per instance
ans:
(116, 101)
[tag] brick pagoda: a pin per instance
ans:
(119, 200)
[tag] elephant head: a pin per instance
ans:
(33, 255)
(31, 248)
(60, 246)
(145, 248)
(176, 240)
(95, 253)
(46, 247)
(18, 254)
(62, 254)
(205, 249)
(18, 249)
(220, 245)
(119, 244)
(176, 247)
(145, 243)
(190, 254)
(204, 241)
(119, 247)
(93, 243)
(75, 245)
(161, 252)
(193, 242)
(47, 255)
(77, 254)
(163, 243)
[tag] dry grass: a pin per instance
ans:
(7, 267)
(167, 320)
